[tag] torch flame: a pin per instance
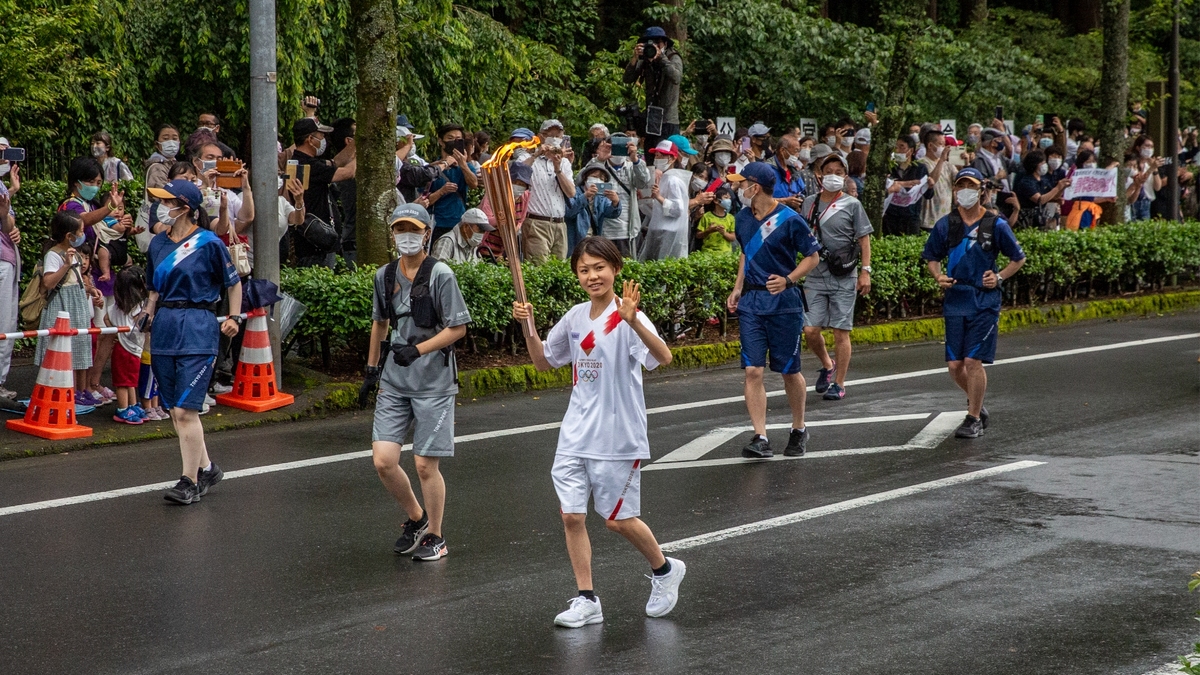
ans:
(500, 157)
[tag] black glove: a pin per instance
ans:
(405, 355)
(370, 382)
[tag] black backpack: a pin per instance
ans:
(421, 306)
(958, 229)
(839, 263)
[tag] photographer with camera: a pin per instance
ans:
(657, 65)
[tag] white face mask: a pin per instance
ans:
(169, 148)
(847, 141)
(163, 212)
(518, 190)
(409, 243)
(594, 181)
(699, 184)
(723, 159)
(280, 183)
(521, 155)
(1054, 164)
(321, 147)
(98, 151)
(899, 157)
(1089, 165)
(554, 142)
(1043, 169)
(833, 182)
(793, 162)
(617, 160)
(1147, 152)
(746, 198)
(967, 197)
(831, 141)
(805, 155)
(662, 164)
(476, 239)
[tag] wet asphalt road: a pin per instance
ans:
(1078, 565)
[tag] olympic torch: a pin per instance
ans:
(497, 184)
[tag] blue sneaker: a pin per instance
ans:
(824, 377)
(141, 412)
(127, 416)
(836, 392)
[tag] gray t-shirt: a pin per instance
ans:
(838, 227)
(429, 375)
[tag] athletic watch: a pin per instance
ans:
(866, 268)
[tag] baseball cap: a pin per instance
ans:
(665, 148)
(521, 171)
(758, 129)
(820, 150)
(521, 134)
(402, 121)
(306, 126)
(755, 172)
(404, 132)
(477, 218)
(551, 124)
(971, 173)
(181, 189)
(413, 213)
(831, 157)
(990, 134)
(863, 136)
(3, 140)
(656, 33)
(684, 145)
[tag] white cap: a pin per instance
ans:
(551, 123)
(863, 137)
(3, 140)
(478, 218)
(402, 132)
(758, 129)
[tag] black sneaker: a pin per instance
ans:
(797, 443)
(432, 548)
(413, 531)
(759, 448)
(983, 416)
(184, 492)
(971, 428)
(206, 479)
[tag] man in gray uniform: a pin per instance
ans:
(841, 226)
(417, 376)
(630, 174)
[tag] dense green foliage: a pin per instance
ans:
(72, 67)
(681, 295)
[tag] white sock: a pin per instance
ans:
(207, 468)
(801, 429)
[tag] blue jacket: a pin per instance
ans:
(783, 186)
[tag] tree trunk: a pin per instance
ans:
(375, 49)
(904, 25)
(675, 26)
(1085, 15)
(972, 12)
(1114, 98)
(931, 11)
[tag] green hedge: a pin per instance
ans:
(685, 293)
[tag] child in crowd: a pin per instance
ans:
(63, 277)
(147, 388)
(715, 229)
(602, 442)
(127, 309)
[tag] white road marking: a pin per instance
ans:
(929, 437)
(358, 454)
(697, 448)
(868, 500)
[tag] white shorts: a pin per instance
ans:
(614, 485)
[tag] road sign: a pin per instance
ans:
(808, 127)
(949, 128)
(727, 126)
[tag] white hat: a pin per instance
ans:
(863, 137)
(477, 218)
(3, 140)
(551, 123)
(402, 132)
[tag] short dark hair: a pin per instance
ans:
(598, 247)
(447, 128)
(906, 140)
(846, 122)
(1031, 160)
(1082, 158)
(162, 127)
(64, 223)
(179, 168)
(82, 169)
(1076, 125)
(104, 137)
(215, 116)
(931, 132)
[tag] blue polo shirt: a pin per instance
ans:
(771, 246)
(967, 262)
(448, 210)
(788, 183)
(196, 269)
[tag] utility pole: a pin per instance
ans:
(1171, 142)
(264, 162)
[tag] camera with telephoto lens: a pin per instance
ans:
(649, 51)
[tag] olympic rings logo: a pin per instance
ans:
(588, 375)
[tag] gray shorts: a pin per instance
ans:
(830, 309)
(431, 420)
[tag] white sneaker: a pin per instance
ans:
(218, 388)
(205, 408)
(664, 590)
(581, 613)
(7, 393)
(208, 400)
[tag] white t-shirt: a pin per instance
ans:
(134, 340)
(285, 211)
(546, 197)
(606, 418)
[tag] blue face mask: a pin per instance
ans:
(726, 204)
(78, 241)
(1045, 143)
(88, 192)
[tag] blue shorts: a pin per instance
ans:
(972, 337)
(183, 380)
(778, 334)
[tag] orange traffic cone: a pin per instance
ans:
(254, 382)
(51, 411)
